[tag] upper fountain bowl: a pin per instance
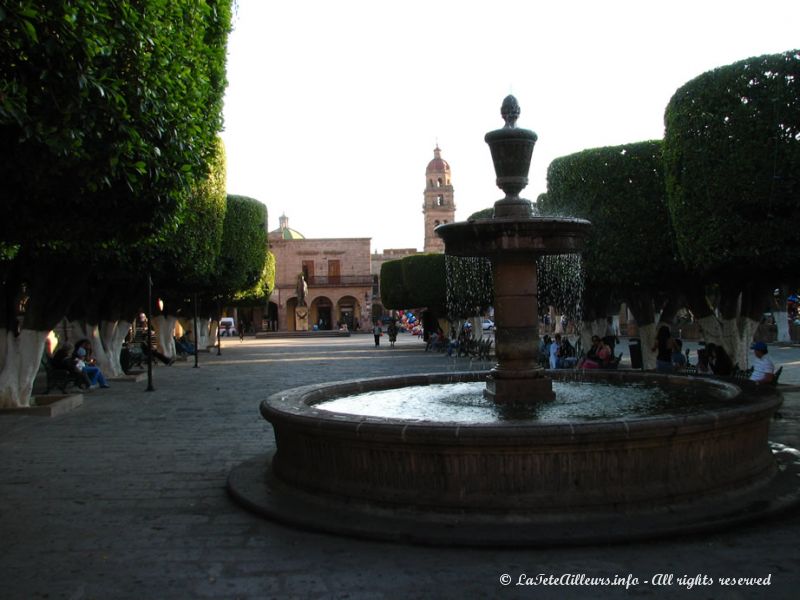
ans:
(508, 236)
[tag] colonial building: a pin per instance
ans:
(336, 271)
(341, 274)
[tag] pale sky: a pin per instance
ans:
(333, 109)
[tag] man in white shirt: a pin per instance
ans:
(763, 367)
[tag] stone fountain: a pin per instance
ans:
(519, 480)
(513, 240)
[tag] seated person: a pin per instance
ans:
(598, 357)
(148, 352)
(62, 359)
(718, 361)
(436, 340)
(763, 367)
(183, 346)
(555, 352)
(84, 360)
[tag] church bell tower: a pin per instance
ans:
(438, 207)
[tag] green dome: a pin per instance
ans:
(285, 232)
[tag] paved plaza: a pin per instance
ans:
(125, 497)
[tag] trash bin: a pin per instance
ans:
(635, 348)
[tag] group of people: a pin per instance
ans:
(558, 351)
(78, 359)
(711, 360)
(561, 354)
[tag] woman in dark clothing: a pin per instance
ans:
(664, 348)
(719, 361)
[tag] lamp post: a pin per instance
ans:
(219, 326)
(196, 356)
(148, 316)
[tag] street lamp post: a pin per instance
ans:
(148, 316)
(195, 337)
(219, 326)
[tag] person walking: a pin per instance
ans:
(377, 331)
(392, 330)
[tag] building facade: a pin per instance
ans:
(342, 275)
(337, 275)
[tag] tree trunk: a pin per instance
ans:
(23, 356)
(112, 334)
(711, 329)
(211, 340)
(782, 322)
(642, 308)
(165, 328)
(647, 335)
(201, 337)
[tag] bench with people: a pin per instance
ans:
(599, 356)
(712, 359)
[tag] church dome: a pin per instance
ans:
(438, 164)
(285, 232)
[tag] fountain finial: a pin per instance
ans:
(510, 111)
(511, 149)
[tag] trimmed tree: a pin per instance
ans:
(243, 256)
(732, 158)
(417, 281)
(108, 112)
(630, 251)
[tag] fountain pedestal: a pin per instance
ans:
(517, 378)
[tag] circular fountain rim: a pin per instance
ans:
(299, 404)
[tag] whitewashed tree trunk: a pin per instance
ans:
(201, 336)
(782, 321)
(99, 352)
(647, 335)
(737, 337)
(711, 329)
(22, 356)
(211, 340)
(112, 334)
(477, 327)
(165, 328)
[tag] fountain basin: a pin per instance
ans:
(518, 483)
(607, 465)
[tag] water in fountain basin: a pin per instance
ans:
(577, 401)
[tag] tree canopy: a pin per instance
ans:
(620, 189)
(243, 254)
(108, 110)
(415, 281)
(732, 158)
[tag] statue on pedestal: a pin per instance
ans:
(301, 310)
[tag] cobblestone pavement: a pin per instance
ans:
(125, 497)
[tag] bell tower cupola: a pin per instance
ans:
(438, 207)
